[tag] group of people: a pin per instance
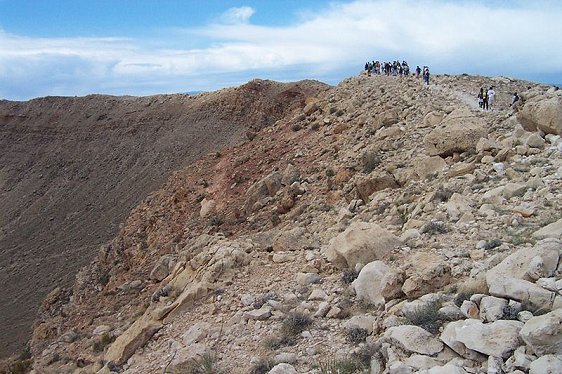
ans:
(487, 98)
(395, 68)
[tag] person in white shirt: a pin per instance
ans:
(491, 96)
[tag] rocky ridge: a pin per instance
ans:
(388, 228)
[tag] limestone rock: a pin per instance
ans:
(366, 186)
(162, 268)
(544, 333)
(430, 273)
(545, 114)
(208, 208)
(459, 132)
(553, 230)
(413, 339)
(283, 368)
(361, 243)
(196, 333)
(451, 336)
(432, 119)
(361, 321)
(428, 166)
(492, 308)
(497, 339)
(457, 206)
(548, 364)
(267, 186)
(132, 339)
(368, 286)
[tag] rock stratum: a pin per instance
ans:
(381, 226)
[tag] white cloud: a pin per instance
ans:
(237, 15)
(474, 37)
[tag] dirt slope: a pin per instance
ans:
(71, 169)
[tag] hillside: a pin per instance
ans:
(71, 170)
(387, 227)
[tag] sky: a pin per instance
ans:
(144, 47)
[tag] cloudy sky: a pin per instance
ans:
(141, 47)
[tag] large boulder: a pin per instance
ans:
(360, 243)
(413, 339)
(544, 114)
(553, 230)
(548, 364)
(370, 184)
(368, 285)
(544, 333)
(429, 272)
(459, 132)
(498, 339)
(428, 166)
(268, 186)
(132, 339)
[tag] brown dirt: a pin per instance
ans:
(71, 169)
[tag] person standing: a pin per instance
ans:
(426, 75)
(491, 96)
(481, 98)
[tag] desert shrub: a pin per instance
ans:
(370, 161)
(491, 244)
(263, 366)
(349, 365)
(367, 352)
(434, 227)
(349, 276)
(202, 364)
(103, 341)
(296, 127)
(442, 194)
(216, 220)
(295, 323)
(356, 335)
(425, 316)
(330, 172)
(275, 342)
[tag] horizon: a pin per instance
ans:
(145, 47)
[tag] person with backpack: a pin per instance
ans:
(514, 99)
(485, 100)
(425, 75)
(481, 98)
(418, 71)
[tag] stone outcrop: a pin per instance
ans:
(544, 114)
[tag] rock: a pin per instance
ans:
(283, 368)
(285, 357)
(523, 291)
(451, 313)
(318, 294)
(368, 286)
(430, 273)
(513, 189)
(391, 284)
(162, 268)
(545, 115)
(362, 322)
(451, 336)
(498, 339)
(543, 334)
(290, 240)
(196, 333)
(459, 132)
(519, 360)
(535, 141)
(553, 230)
(413, 339)
(421, 362)
(260, 314)
(267, 186)
(306, 279)
(492, 308)
(432, 119)
(290, 175)
(132, 339)
(360, 243)
(548, 364)
(469, 309)
(449, 368)
(457, 206)
(378, 181)
(101, 329)
(208, 208)
(428, 166)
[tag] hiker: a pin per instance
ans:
(491, 96)
(514, 99)
(418, 71)
(425, 75)
(481, 99)
(485, 100)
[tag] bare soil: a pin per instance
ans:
(71, 170)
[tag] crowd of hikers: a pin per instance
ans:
(395, 68)
(486, 98)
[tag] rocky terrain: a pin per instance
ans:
(71, 170)
(386, 227)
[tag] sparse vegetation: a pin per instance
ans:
(349, 276)
(263, 366)
(295, 323)
(357, 335)
(491, 244)
(103, 341)
(330, 172)
(442, 194)
(434, 227)
(370, 161)
(348, 365)
(426, 316)
(216, 220)
(202, 364)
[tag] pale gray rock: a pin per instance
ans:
(413, 339)
(492, 308)
(553, 230)
(543, 334)
(548, 364)
(258, 314)
(365, 322)
(368, 285)
(499, 338)
(196, 333)
(362, 243)
(283, 368)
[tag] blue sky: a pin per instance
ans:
(141, 47)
